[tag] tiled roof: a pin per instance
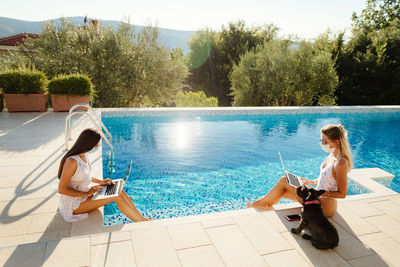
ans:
(16, 39)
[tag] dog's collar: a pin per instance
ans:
(310, 202)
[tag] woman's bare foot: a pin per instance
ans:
(261, 206)
(250, 204)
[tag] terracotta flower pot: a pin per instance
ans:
(1, 102)
(65, 102)
(22, 102)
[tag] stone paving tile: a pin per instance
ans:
(200, 256)
(233, 246)
(22, 255)
(387, 225)
(188, 235)
(361, 208)
(395, 198)
(376, 199)
(11, 181)
(154, 247)
(14, 226)
(188, 219)
(109, 237)
(32, 162)
(146, 225)
(369, 261)
(389, 207)
(37, 191)
(384, 246)
(67, 252)
(259, 231)
(3, 206)
(353, 223)
(281, 223)
(112, 254)
(25, 171)
(274, 218)
(28, 207)
(50, 222)
(314, 256)
(6, 194)
(286, 258)
(217, 222)
(350, 247)
(94, 224)
(31, 238)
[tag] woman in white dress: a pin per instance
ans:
(332, 178)
(77, 187)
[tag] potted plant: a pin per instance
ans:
(69, 90)
(24, 90)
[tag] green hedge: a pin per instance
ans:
(195, 99)
(73, 84)
(23, 82)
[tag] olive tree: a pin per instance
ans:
(283, 73)
(126, 68)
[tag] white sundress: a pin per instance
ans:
(81, 181)
(326, 181)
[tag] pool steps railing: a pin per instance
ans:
(91, 114)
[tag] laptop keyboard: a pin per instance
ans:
(111, 189)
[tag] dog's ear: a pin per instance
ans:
(320, 192)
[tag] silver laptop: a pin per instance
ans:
(113, 190)
(291, 178)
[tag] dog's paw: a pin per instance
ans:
(306, 236)
(294, 231)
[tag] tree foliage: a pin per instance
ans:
(282, 73)
(369, 64)
(369, 68)
(377, 15)
(195, 99)
(213, 55)
(127, 69)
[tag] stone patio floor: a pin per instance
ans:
(33, 234)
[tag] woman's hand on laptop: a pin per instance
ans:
(93, 190)
(106, 181)
(308, 182)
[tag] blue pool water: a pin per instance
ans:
(185, 165)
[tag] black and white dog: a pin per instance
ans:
(323, 234)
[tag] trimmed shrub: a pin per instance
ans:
(23, 82)
(73, 84)
(195, 99)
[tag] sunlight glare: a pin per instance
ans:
(180, 135)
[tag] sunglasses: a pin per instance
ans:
(323, 141)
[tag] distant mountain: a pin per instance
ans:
(170, 38)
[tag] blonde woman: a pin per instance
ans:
(332, 178)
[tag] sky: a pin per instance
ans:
(304, 18)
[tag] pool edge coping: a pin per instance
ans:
(187, 111)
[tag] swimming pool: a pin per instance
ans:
(186, 164)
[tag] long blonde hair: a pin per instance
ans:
(337, 132)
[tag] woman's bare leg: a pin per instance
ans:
(328, 205)
(123, 205)
(281, 189)
(130, 202)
